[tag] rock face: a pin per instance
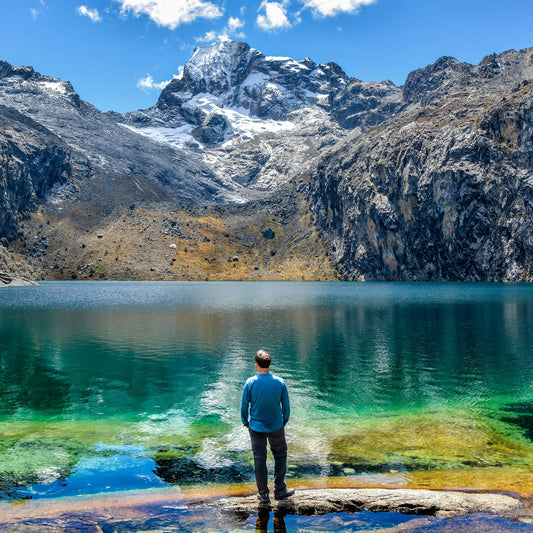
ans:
(443, 190)
(15, 271)
(32, 161)
(408, 501)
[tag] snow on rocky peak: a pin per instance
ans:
(230, 91)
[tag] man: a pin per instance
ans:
(265, 411)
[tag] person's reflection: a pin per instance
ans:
(261, 525)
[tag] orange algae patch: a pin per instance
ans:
(131, 505)
(517, 480)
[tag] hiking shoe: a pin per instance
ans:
(263, 497)
(286, 494)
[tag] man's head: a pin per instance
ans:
(263, 359)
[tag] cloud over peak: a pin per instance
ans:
(172, 13)
(274, 17)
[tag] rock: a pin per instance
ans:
(268, 233)
(16, 271)
(32, 161)
(214, 130)
(440, 193)
(407, 501)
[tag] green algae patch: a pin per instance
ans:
(430, 441)
(208, 426)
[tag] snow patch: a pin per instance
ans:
(177, 137)
(54, 87)
(244, 126)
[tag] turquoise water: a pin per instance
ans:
(115, 385)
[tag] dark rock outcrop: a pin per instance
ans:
(214, 130)
(441, 192)
(32, 161)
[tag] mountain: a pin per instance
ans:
(444, 190)
(258, 167)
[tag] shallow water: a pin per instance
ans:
(115, 385)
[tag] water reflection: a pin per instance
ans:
(164, 364)
(263, 517)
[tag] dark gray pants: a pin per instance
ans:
(278, 446)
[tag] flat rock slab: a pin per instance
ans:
(407, 501)
(7, 280)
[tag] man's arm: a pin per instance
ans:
(285, 404)
(245, 404)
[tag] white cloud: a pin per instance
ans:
(234, 23)
(208, 37)
(172, 13)
(275, 16)
(230, 30)
(91, 13)
(148, 83)
(36, 12)
(328, 8)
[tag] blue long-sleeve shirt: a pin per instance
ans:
(265, 403)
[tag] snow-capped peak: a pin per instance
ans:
(229, 90)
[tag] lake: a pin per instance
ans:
(113, 386)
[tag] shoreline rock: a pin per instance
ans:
(7, 280)
(443, 504)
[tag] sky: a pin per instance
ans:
(119, 54)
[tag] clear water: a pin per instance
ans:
(115, 385)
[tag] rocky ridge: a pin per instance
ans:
(443, 191)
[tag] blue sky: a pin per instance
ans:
(118, 53)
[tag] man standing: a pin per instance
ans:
(265, 410)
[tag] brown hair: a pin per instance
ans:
(263, 359)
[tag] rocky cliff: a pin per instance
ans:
(444, 189)
(32, 161)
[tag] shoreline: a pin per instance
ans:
(241, 502)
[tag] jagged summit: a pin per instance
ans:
(242, 77)
(229, 90)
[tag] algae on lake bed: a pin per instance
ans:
(449, 444)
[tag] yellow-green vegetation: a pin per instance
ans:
(430, 441)
(157, 242)
(412, 449)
